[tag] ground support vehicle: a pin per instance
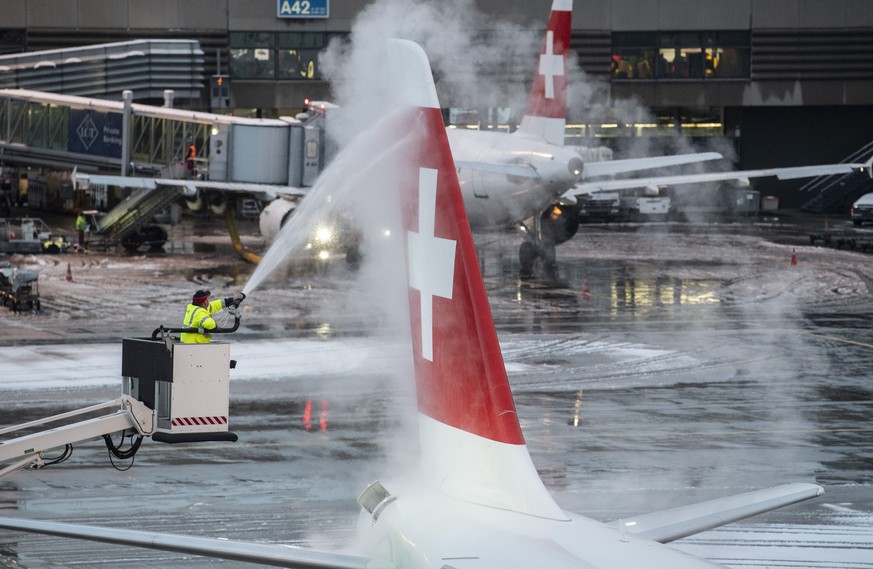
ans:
(855, 239)
(862, 210)
(30, 235)
(171, 392)
(19, 288)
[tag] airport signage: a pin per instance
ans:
(303, 8)
(95, 134)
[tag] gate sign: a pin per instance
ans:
(95, 134)
(303, 8)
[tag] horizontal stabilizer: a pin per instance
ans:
(670, 525)
(517, 170)
(263, 554)
(613, 167)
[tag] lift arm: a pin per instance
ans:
(28, 450)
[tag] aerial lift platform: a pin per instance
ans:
(171, 392)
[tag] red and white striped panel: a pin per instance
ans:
(199, 421)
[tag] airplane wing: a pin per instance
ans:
(591, 169)
(670, 525)
(612, 167)
(741, 175)
(268, 191)
(260, 553)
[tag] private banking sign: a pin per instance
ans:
(95, 133)
(303, 8)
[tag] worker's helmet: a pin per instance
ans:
(201, 296)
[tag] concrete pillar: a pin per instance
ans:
(168, 98)
(126, 135)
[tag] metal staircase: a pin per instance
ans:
(833, 192)
(125, 219)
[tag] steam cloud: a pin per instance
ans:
(470, 56)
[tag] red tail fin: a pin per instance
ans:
(472, 445)
(546, 111)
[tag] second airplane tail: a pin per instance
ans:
(546, 111)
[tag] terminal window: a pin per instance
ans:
(669, 56)
(283, 55)
(11, 41)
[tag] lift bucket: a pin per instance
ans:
(188, 386)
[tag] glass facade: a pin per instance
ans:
(663, 122)
(11, 41)
(695, 56)
(284, 56)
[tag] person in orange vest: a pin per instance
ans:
(198, 316)
(189, 158)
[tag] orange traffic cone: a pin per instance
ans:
(585, 292)
(793, 257)
(69, 273)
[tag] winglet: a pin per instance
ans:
(546, 112)
(471, 441)
(868, 166)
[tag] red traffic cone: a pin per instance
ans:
(585, 292)
(793, 257)
(69, 273)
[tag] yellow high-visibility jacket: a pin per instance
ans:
(197, 316)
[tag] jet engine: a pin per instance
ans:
(194, 202)
(556, 224)
(274, 216)
(559, 222)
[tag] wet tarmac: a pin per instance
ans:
(666, 364)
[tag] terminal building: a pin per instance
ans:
(782, 82)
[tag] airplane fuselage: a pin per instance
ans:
(495, 199)
(427, 531)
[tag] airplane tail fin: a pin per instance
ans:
(471, 440)
(546, 111)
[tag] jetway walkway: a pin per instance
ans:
(126, 138)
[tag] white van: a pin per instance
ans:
(862, 210)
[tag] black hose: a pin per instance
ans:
(68, 452)
(161, 330)
(120, 454)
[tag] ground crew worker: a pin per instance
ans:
(190, 157)
(199, 313)
(81, 226)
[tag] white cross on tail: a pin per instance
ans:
(551, 65)
(431, 258)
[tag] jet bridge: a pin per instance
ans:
(143, 141)
(64, 131)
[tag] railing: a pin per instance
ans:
(830, 192)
